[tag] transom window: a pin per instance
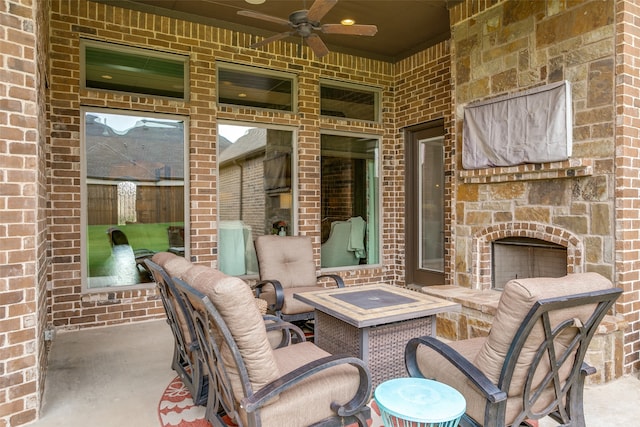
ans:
(114, 67)
(349, 101)
(256, 87)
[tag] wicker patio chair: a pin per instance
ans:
(286, 266)
(256, 385)
(532, 363)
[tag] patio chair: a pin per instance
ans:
(286, 266)
(175, 234)
(339, 249)
(532, 363)
(299, 384)
(186, 360)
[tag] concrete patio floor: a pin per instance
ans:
(114, 377)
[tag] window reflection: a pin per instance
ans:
(255, 192)
(134, 194)
(349, 201)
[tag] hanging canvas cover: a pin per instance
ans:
(534, 126)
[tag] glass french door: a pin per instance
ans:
(425, 205)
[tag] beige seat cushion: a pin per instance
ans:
(288, 259)
(234, 300)
(309, 401)
(435, 367)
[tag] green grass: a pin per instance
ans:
(141, 236)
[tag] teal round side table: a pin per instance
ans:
(418, 402)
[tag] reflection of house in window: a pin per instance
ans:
(126, 202)
(253, 172)
(134, 179)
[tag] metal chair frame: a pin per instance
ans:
(567, 406)
(213, 335)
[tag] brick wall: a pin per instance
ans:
(23, 256)
(423, 93)
(627, 129)
(71, 20)
(415, 90)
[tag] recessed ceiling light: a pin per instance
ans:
(347, 21)
(255, 1)
(106, 76)
(242, 95)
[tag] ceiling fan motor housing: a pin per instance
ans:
(301, 23)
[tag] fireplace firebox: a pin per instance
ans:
(524, 257)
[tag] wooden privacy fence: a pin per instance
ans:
(154, 204)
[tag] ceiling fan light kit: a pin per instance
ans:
(305, 23)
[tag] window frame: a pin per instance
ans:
(258, 72)
(339, 84)
(126, 49)
(84, 110)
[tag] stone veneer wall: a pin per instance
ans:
(501, 47)
(23, 255)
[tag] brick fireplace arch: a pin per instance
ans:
(481, 246)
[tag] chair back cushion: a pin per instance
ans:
(161, 257)
(288, 259)
(177, 266)
(517, 299)
(233, 299)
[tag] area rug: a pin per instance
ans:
(176, 409)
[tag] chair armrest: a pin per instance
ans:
(490, 391)
(285, 382)
(277, 286)
(334, 277)
(289, 330)
(587, 369)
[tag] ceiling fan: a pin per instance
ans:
(305, 22)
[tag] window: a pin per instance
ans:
(119, 68)
(254, 191)
(134, 192)
(349, 200)
(349, 101)
(255, 87)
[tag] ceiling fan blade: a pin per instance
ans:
(358, 30)
(273, 39)
(320, 8)
(258, 15)
(317, 45)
